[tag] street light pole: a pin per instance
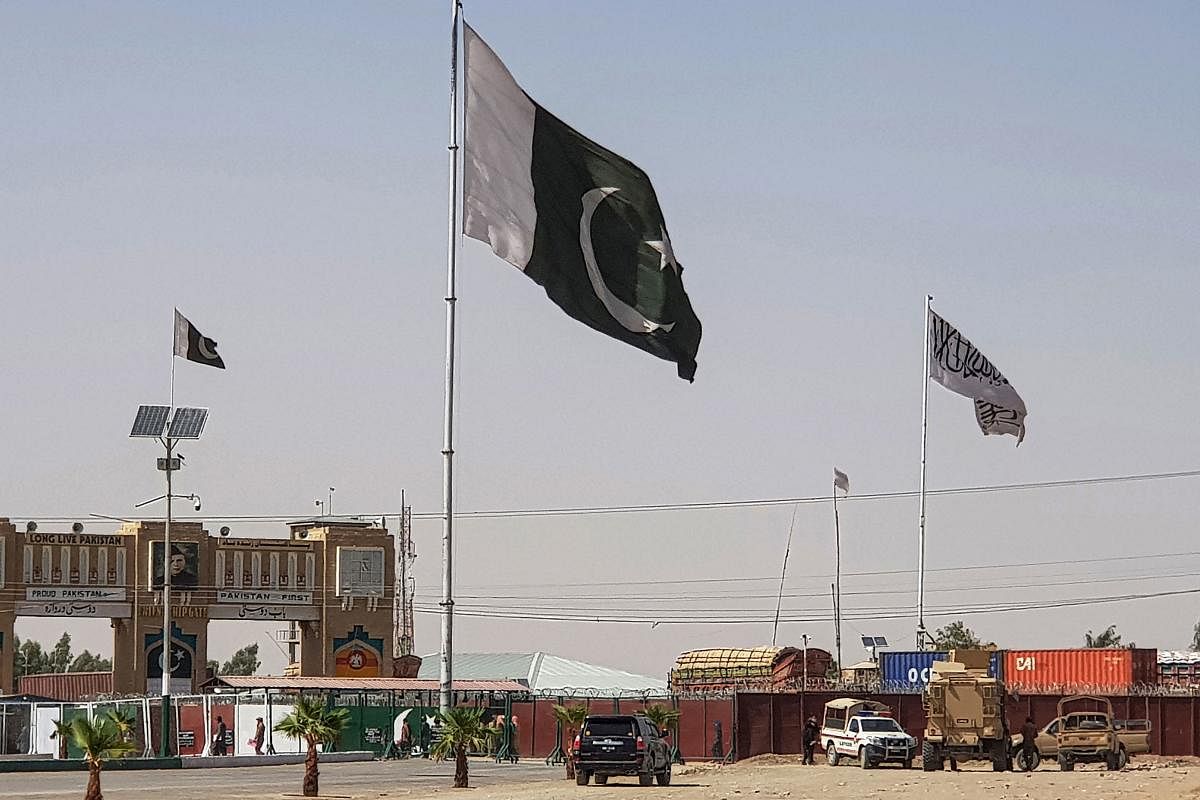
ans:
(165, 739)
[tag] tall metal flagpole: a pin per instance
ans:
(921, 633)
(837, 577)
(447, 657)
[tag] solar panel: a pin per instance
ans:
(880, 641)
(868, 641)
(187, 423)
(150, 421)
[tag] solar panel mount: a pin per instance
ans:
(150, 422)
(187, 423)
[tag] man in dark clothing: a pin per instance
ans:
(260, 735)
(1029, 734)
(218, 748)
(811, 734)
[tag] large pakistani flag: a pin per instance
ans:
(578, 219)
(959, 366)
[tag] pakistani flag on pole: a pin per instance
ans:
(578, 219)
(959, 366)
(193, 345)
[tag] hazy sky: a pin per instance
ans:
(277, 171)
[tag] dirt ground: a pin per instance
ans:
(765, 777)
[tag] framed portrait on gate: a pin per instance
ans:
(184, 565)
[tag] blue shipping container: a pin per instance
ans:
(908, 670)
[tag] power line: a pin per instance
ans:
(513, 598)
(866, 573)
(891, 613)
(661, 507)
(783, 501)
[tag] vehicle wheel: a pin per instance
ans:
(864, 758)
(1065, 764)
(1122, 758)
(908, 764)
(581, 777)
(645, 778)
(601, 780)
(664, 777)
(929, 758)
(831, 754)
(1110, 762)
(1028, 762)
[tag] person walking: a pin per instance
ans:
(260, 735)
(218, 748)
(811, 734)
(1029, 734)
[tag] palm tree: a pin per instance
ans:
(667, 721)
(571, 718)
(100, 740)
(63, 733)
(315, 723)
(463, 729)
(124, 720)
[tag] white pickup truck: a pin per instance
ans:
(859, 729)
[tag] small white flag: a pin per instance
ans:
(841, 480)
(959, 366)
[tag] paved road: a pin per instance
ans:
(358, 780)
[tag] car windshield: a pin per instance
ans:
(881, 726)
(608, 727)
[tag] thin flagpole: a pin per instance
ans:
(165, 729)
(836, 610)
(446, 672)
(837, 577)
(783, 574)
(921, 633)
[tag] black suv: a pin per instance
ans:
(621, 744)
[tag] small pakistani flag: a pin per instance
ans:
(193, 345)
(578, 219)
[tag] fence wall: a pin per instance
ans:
(761, 722)
(536, 729)
(772, 723)
(374, 721)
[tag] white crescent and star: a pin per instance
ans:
(202, 346)
(629, 317)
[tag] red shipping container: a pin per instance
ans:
(67, 687)
(1080, 670)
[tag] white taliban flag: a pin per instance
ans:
(841, 480)
(959, 366)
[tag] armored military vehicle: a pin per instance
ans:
(964, 714)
